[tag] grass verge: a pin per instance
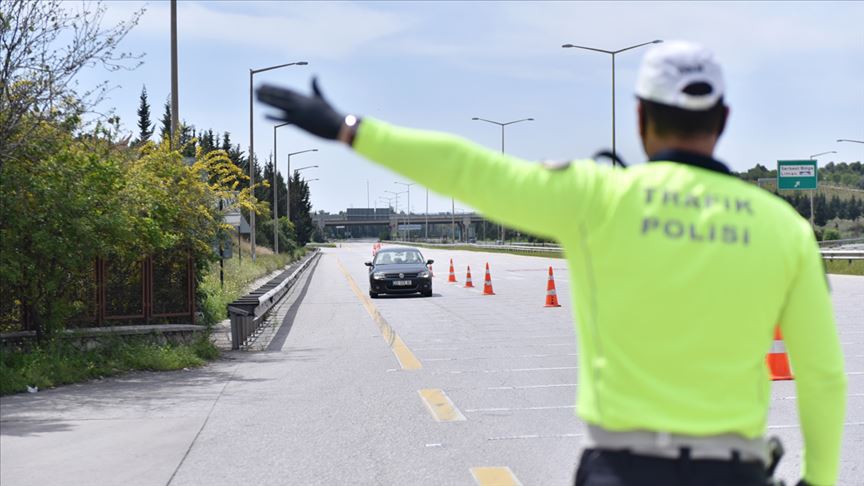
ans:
(60, 362)
(503, 249)
(845, 267)
(838, 267)
(238, 276)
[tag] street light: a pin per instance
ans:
(408, 217)
(252, 73)
(289, 177)
(822, 153)
(396, 196)
(502, 125)
(847, 140)
(812, 219)
(567, 46)
(276, 192)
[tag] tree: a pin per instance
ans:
(43, 48)
(145, 126)
(165, 129)
(300, 209)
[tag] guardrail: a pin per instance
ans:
(247, 312)
(827, 254)
(843, 255)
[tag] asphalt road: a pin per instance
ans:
(456, 389)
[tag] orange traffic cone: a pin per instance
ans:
(551, 295)
(487, 283)
(778, 363)
(452, 277)
(468, 283)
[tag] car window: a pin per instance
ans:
(397, 257)
(384, 259)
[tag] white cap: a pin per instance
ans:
(671, 67)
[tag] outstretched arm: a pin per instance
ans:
(527, 196)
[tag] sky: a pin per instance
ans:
(794, 74)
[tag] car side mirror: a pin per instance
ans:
(430, 262)
(368, 264)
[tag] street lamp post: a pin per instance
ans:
(847, 140)
(252, 73)
(566, 46)
(812, 219)
(502, 125)
(276, 192)
(288, 207)
(408, 217)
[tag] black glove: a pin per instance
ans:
(311, 113)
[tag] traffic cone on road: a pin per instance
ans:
(778, 362)
(468, 283)
(452, 277)
(487, 283)
(551, 295)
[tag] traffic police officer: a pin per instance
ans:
(680, 274)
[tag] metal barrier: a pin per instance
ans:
(247, 312)
(827, 254)
(843, 255)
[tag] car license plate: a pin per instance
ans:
(402, 282)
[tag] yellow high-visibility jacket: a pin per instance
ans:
(679, 274)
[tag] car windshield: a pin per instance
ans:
(396, 257)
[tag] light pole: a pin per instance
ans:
(276, 192)
(847, 140)
(408, 217)
(396, 196)
(288, 210)
(502, 125)
(427, 214)
(175, 115)
(567, 46)
(812, 157)
(252, 73)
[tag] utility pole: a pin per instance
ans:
(175, 115)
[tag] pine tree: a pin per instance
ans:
(165, 131)
(145, 126)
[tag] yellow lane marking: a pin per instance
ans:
(440, 405)
(406, 358)
(494, 476)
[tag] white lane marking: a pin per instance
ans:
(500, 357)
(795, 426)
(518, 409)
(536, 436)
(527, 387)
(495, 347)
(855, 372)
(511, 370)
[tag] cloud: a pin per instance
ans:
(315, 30)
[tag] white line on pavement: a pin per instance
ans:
(518, 409)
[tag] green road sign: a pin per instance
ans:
(796, 174)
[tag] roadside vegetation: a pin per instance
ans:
(82, 195)
(238, 275)
(60, 362)
(845, 267)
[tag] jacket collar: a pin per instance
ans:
(690, 158)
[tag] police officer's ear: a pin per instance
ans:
(640, 111)
(723, 118)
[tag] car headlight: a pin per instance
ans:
(423, 274)
(378, 275)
